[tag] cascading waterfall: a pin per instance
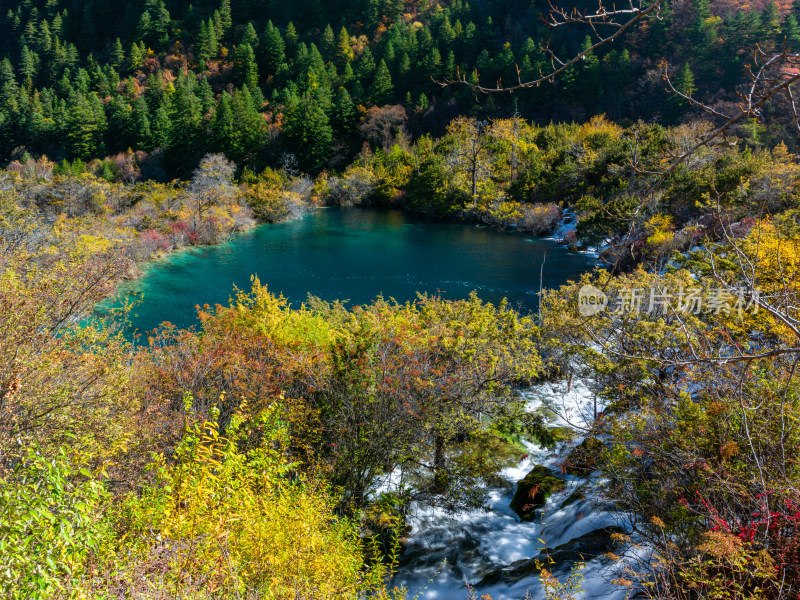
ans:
(494, 551)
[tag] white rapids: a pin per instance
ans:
(492, 549)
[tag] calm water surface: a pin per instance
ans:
(354, 254)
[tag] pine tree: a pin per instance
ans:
(249, 36)
(160, 23)
(8, 83)
(27, 63)
(382, 88)
(433, 64)
(117, 54)
(120, 126)
(684, 81)
(45, 38)
(348, 74)
(422, 103)
(309, 134)
(251, 128)
(223, 128)
(316, 62)
(291, 39)
(450, 66)
(274, 50)
(328, 44)
(246, 70)
(365, 67)
(140, 124)
(207, 45)
(771, 20)
(791, 30)
(404, 67)
(225, 19)
(134, 57)
(373, 14)
(206, 95)
(144, 28)
(344, 51)
(319, 87)
(83, 129)
(186, 135)
(344, 112)
(159, 128)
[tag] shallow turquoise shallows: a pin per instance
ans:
(354, 254)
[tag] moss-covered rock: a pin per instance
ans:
(576, 496)
(534, 490)
(563, 434)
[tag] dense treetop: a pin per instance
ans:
(270, 82)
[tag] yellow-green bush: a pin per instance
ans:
(225, 522)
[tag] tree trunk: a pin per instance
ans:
(438, 464)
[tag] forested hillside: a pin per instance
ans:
(305, 85)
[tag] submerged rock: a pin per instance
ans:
(581, 549)
(576, 496)
(534, 490)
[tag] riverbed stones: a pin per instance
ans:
(534, 490)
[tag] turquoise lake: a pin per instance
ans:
(354, 254)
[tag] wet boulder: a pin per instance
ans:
(581, 549)
(534, 490)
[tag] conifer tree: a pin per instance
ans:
(134, 57)
(344, 51)
(771, 20)
(206, 96)
(791, 30)
(309, 134)
(225, 18)
(84, 129)
(274, 50)
(358, 94)
(207, 45)
(450, 66)
(140, 124)
(344, 113)
(347, 74)
(245, 66)
(223, 127)
(120, 126)
(27, 63)
(328, 44)
(382, 88)
(8, 83)
(159, 128)
(117, 55)
(249, 36)
(365, 66)
(291, 39)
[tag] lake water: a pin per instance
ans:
(355, 254)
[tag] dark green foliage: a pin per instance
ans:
(309, 134)
(59, 53)
(382, 88)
